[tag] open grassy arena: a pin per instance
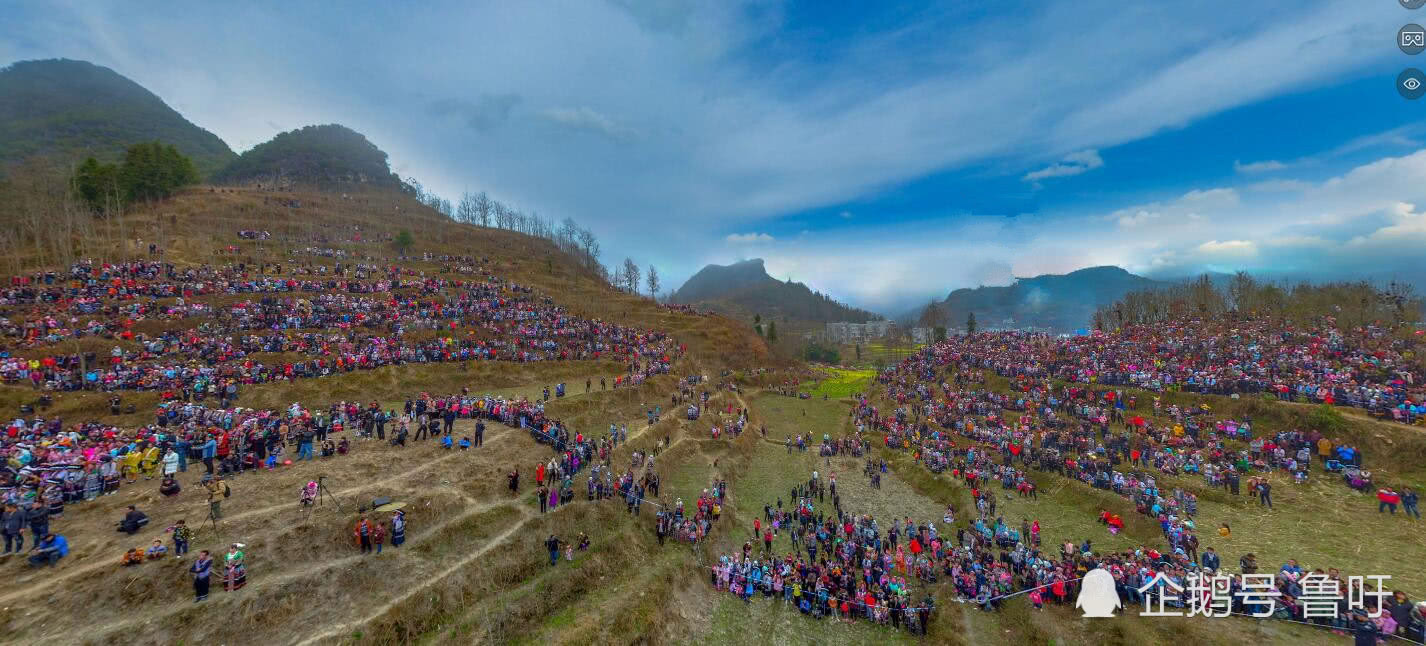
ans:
(474, 568)
(840, 383)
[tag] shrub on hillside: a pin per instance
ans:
(815, 351)
(1327, 419)
(150, 171)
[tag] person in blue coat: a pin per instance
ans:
(210, 451)
(49, 551)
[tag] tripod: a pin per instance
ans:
(211, 521)
(323, 493)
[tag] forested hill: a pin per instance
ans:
(68, 110)
(746, 288)
(320, 156)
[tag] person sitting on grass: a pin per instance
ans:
(156, 551)
(132, 557)
(133, 521)
(169, 486)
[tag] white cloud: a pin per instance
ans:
(1211, 198)
(1266, 166)
(845, 215)
(1229, 247)
(1137, 218)
(585, 118)
(1364, 223)
(1073, 164)
(748, 238)
(1279, 186)
(1186, 209)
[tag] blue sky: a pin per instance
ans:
(881, 152)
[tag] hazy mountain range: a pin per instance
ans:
(1060, 302)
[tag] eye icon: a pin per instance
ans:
(1411, 84)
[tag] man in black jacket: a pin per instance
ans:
(38, 516)
(12, 524)
(133, 520)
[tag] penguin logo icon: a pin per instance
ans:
(1097, 597)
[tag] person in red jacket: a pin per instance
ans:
(1387, 499)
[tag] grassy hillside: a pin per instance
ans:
(201, 225)
(70, 110)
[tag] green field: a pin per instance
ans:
(876, 354)
(842, 383)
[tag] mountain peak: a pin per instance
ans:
(313, 155)
(71, 109)
(745, 286)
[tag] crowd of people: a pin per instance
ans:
(361, 318)
(50, 464)
(1371, 368)
(862, 572)
(1068, 414)
(947, 419)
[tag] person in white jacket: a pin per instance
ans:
(170, 462)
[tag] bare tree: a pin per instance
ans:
(46, 215)
(465, 211)
(590, 245)
(653, 281)
(569, 232)
(498, 209)
(482, 209)
(631, 276)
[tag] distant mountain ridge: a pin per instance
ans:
(70, 110)
(1059, 302)
(746, 288)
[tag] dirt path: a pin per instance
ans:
(494, 541)
(31, 589)
(474, 508)
(314, 568)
